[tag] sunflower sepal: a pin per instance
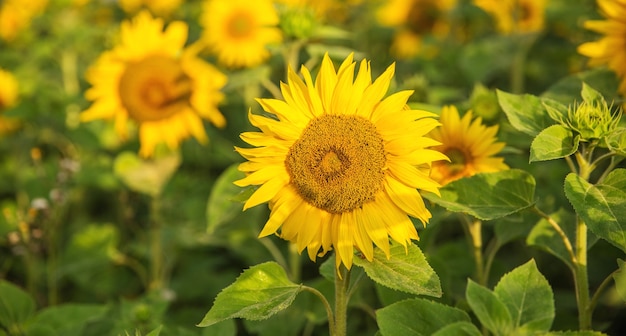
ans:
(258, 293)
(405, 269)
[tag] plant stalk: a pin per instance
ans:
(342, 282)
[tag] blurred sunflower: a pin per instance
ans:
(16, 15)
(515, 16)
(157, 7)
(339, 165)
(413, 20)
(238, 31)
(609, 50)
(325, 10)
(8, 99)
(470, 145)
(152, 79)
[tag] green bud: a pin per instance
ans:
(298, 22)
(592, 120)
(484, 103)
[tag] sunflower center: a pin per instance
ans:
(240, 25)
(338, 163)
(154, 88)
(458, 160)
(422, 17)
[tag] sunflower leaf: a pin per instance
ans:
(489, 309)
(16, 306)
(260, 292)
(222, 206)
(602, 206)
(405, 270)
(544, 236)
(420, 317)
(554, 142)
(488, 196)
(526, 113)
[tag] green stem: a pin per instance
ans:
(295, 263)
(474, 228)
(156, 245)
(596, 296)
(561, 233)
(342, 282)
(581, 277)
(329, 310)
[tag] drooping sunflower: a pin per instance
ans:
(8, 99)
(158, 7)
(515, 16)
(468, 143)
(239, 31)
(152, 79)
(339, 165)
(16, 15)
(609, 50)
(413, 20)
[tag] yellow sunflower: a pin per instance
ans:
(515, 16)
(413, 20)
(16, 15)
(158, 7)
(152, 79)
(609, 50)
(468, 143)
(8, 99)
(239, 31)
(339, 165)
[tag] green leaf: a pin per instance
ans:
(406, 270)
(156, 331)
(602, 206)
(543, 235)
(574, 333)
(491, 312)
(69, 319)
(554, 142)
(525, 112)
(513, 227)
(221, 207)
(528, 298)
(568, 89)
(260, 292)
(417, 317)
(590, 95)
(488, 196)
(146, 176)
(458, 329)
(16, 306)
(620, 279)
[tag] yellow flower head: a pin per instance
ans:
(339, 165)
(609, 50)
(152, 79)
(158, 7)
(16, 15)
(8, 99)
(238, 31)
(515, 16)
(413, 20)
(468, 143)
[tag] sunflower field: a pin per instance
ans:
(312, 167)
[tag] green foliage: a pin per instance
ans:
(544, 235)
(221, 206)
(525, 112)
(554, 142)
(488, 196)
(601, 206)
(16, 307)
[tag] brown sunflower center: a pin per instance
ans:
(240, 25)
(458, 160)
(422, 17)
(154, 88)
(338, 163)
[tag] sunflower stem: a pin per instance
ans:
(342, 282)
(295, 263)
(474, 230)
(156, 255)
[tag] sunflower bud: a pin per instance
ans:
(298, 22)
(484, 103)
(592, 120)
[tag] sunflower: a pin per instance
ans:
(158, 7)
(470, 145)
(515, 16)
(339, 165)
(8, 99)
(239, 31)
(609, 50)
(152, 79)
(414, 19)
(16, 15)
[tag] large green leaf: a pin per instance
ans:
(458, 329)
(602, 206)
(554, 142)
(488, 196)
(491, 312)
(620, 279)
(417, 317)
(525, 112)
(221, 207)
(406, 270)
(260, 292)
(16, 306)
(528, 298)
(69, 319)
(544, 236)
